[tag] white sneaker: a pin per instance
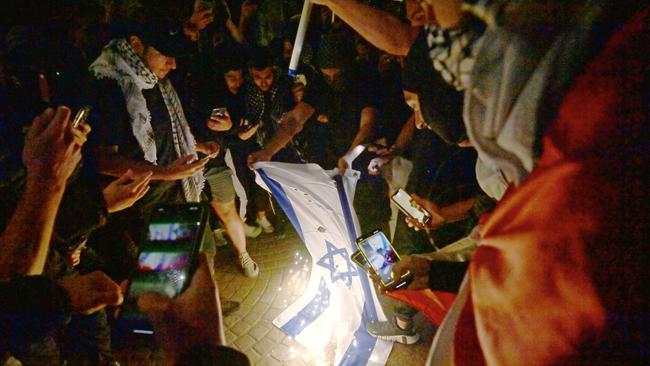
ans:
(248, 265)
(265, 224)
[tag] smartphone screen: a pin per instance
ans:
(380, 255)
(411, 209)
(166, 261)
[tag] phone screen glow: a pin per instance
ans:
(380, 255)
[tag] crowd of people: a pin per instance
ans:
(523, 121)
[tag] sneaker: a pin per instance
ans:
(265, 224)
(388, 331)
(252, 231)
(220, 237)
(228, 307)
(248, 265)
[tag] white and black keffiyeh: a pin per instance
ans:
(451, 52)
(119, 62)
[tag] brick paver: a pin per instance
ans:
(284, 270)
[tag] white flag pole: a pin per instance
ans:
(300, 38)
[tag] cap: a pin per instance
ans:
(168, 38)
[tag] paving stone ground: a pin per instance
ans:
(284, 270)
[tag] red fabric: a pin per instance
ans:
(562, 261)
(433, 304)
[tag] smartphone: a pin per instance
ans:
(381, 256)
(409, 207)
(167, 261)
(357, 257)
(81, 116)
(219, 112)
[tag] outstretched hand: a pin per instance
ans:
(123, 192)
(183, 168)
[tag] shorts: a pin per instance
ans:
(220, 181)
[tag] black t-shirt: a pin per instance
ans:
(343, 106)
(114, 126)
(266, 108)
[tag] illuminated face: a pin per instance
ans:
(263, 79)
(413, 101)
(332, 74)
(234, 80)
(158, 63)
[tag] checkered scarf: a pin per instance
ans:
(451, 52)
(119, 62)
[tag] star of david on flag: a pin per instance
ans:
(334, 260)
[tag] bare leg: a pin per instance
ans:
(233, 224)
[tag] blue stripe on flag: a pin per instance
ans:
(300, 321)
(359, 351)
(314, 309)
(283, 200)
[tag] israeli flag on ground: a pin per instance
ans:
(340, 299)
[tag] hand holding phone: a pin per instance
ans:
(380, 256)
(220, 112)
(409, 207)
(167, 260)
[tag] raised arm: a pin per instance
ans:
(367, 123)
(291, 125)
(52, 152)
(384, 30)
(113, 164)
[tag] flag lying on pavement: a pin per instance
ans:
(340, 299)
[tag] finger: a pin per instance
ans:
(142, 193)
(250, 160)
(199, 164)
(124, 286)
(221, 119)
(84, 128)
(40, 123)
(61, 119)
(78, 137)
(186, 159)
(124, 178)
(140, 183)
